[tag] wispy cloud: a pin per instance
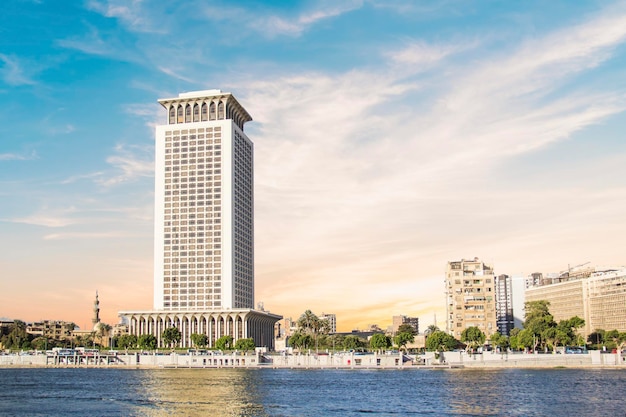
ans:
(87, 235)
(132, 14)
(344, 183)
(14, 72)
(88, 176)
(18, 157)
(152, 114)
(130, 163)
(271, 25)
(176, 74)
(91, 44)
(46, 220)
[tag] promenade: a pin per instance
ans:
(344, 360)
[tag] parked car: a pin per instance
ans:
(575, 349)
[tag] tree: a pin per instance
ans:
(473, 337)
(17, 337)
(224, 343)
(245, 344)
(102, 332)
(199, 340)
(499, 341)
(441, 341)
(513, 338)
(570, 328)
(596, 337)
(526, 339)
(537, 320)
(300, 340)
(352, 342)
(126, 341)
(171, 336)
(380, 341)
(406, 328)
(39, 343)
(147, 341)
(403, 338)
(431, 329)
(334, 341)
(534, 310)
(611, 338)
(309, 323)
(554, 337)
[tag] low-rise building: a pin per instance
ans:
(398, 321)
(52, 329)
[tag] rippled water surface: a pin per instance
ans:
(291, 393)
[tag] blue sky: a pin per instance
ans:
(390, 137)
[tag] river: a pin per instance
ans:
(293, 393)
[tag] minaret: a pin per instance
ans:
(96, 311)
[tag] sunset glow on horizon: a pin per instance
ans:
(390, 138)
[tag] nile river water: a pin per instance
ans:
(292, 393)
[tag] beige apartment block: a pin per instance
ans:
(398, 321)
(566, 298)
(53, 329)
(470, 297)
(599, 298)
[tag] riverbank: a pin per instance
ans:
(344, 360)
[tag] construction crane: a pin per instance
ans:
(570, 268)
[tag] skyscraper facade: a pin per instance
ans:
(204, 224)
(504, 304)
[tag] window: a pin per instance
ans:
(204, 112)
(188, 114)
(212, 111)
(180, 114)
(172, 118)
(196, 113)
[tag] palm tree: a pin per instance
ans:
(431, 329)
(102, 331)
(308, 322)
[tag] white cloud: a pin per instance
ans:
(359, 185)
(131, 13)
(18, 157)
(46, 220)
(87, 235)
(272, 25)
(130, 163)
(419, 53)
(13, 71)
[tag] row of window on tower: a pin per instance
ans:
(187, 113)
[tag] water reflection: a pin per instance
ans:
(200, 392)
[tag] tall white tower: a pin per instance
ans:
(204, 204)
(204, 226)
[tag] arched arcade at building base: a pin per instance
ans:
(240, 324)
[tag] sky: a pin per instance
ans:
(391, 136)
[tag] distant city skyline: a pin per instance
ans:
(390, 138)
